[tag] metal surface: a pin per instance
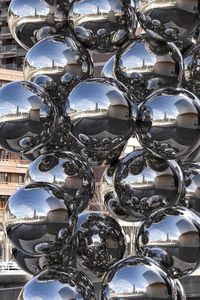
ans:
(29, 21)
(65, 61)
(108, 69)
(66, 170)
(169, 20)
(145, 65)
(101, 241)
(192, 69)
(36, 217)
(144, 183)
(26, 117)
(176, 231)
(102, 25)
(169, 124)
(180, 290)
(69, 284)
(137, 278)
(102, 118)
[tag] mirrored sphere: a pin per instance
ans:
(176, 231)
(102, 117)
(169, 20)
(30, 264)
(68, 284)
(101, 241)
(137, 278)
(191, 198)
(35, 217)
(102, 25)
(180, 290)
(145, 65)
(28, 19)
(192, 70)
(66, 170)
(108, 69)
(144, 183)
(169, 124)
(109, 197)
(61, 59)
(26, 117)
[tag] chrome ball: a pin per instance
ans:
(144, 183)
(35, 218)
(29, 20)
(191, 79)
(101, 241)
(169, 124)
(102, 25)
(61, 59)
(27, 118)
(102, 118)
(169, 20)
(137, 278)
(66, 170)
(52, 284)
(108, 69)
(110, 199)
(191, 198)
(145, 65)
(176, 231)
(30, 264)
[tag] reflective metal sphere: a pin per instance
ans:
(108, 69)
(69, 284)
(30, 264)
(66, 170)
(146, 65)
(191, 172)
(176, 231)
(109, 197)
(101, 241)
(102, 117)
(169, 20)
(30, 20)
(26, 117)
(61, 59)
(137, 278)
(180, 290)
(192, 69)
(35, 218)
(144, 183)
(102, 25)
(169, 124)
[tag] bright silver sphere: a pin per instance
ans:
(191, 173)
(192, 69)
(145, 65)
(26, 117)
(108, 69)
(109, 197)
(137, 278)
(176, 231)
(180, 290)
(29, 20)
(35, 218)
(102, 117)
(61, 59)
(102, 25)
(101, 241)
(66, 170)
(30, 264)
(144, 183)
(169, 125)
(69, 284)
(169, 20)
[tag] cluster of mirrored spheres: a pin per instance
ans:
(67, 122)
